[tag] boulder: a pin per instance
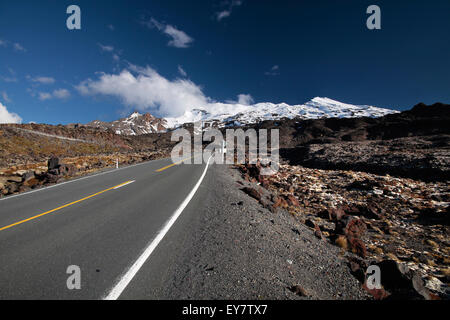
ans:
(51, 178)
(31, 182)
(16, 179)
(252, 193)
(401, 282)
(13, 187)
(351, 227)
(20, 173)
(67, 169)
(28, 176)
(53, 163)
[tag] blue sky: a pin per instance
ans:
(159, 56)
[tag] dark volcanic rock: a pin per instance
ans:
(53, 163)
(413, 144)
(401, 282)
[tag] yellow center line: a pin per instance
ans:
(59, 208)
(173, 164)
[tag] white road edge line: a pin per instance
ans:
(79, 179)
(126, 278)
(125, 184)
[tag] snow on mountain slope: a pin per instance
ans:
(237, 114)
(228, 114)
(135, 124)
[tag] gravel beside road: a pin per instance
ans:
(233, 248)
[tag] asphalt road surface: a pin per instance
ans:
(106, 224)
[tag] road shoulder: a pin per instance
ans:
(225, 245)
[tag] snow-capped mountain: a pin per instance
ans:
(227, 114)
(222, 114)
(135, 124)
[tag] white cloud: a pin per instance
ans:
(9, 79)
(274, 71)
(146, 90)
(106, 48)
(41, 80)
(223, 14)
(110, 49)
(179, 38)
(44, 96)
(8, 117)
(61, 93)
(5, 96)
(227, 12)
(19, 47)
(56, 94)
(245, 99)
(16, 46)
(181, 71)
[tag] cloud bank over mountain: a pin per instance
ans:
(181, 100)
(145, 89)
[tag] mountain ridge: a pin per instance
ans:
(226, 114)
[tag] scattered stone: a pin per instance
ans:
(299, 290)
(252, 193)
(310, 223)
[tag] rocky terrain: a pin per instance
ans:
(376, 217)
(135, 124)
(413, 144)
(377, 188)
(26, 150)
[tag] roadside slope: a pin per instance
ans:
(226, 246)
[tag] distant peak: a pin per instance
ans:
(135, 114)
(324, 100)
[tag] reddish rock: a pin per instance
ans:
(279, 202)
(333, 214)
(252, 193)
(317, 232)
(299, 290)
(293, 201)
(378, 294)
(351, 227)
(31, 182)
(357, 247)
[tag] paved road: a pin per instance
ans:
(102, 223)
